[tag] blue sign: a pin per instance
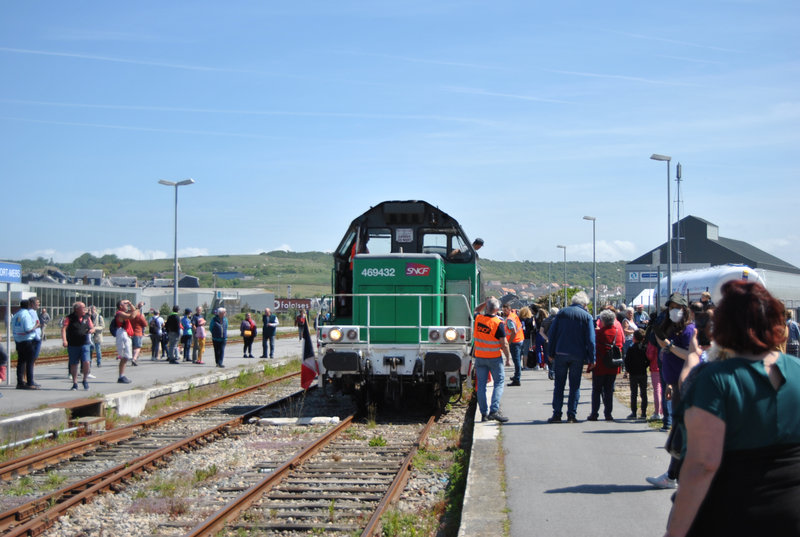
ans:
(10, 273)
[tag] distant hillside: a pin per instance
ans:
(309, 273)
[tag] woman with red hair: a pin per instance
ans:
(741, 467)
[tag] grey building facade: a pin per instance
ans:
(701, 246)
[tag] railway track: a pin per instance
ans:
(340, 484)
(95, 464)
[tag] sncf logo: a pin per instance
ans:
(416, 269)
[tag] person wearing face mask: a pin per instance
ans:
(674, 337)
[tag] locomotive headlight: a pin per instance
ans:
(352, 334)
(434, 335)
(335, 334)
(450, 334)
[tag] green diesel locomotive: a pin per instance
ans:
(405, 283)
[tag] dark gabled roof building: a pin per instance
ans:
(697, 244)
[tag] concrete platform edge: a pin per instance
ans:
(127, 403)
(484, 513)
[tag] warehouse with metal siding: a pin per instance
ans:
(697, 244)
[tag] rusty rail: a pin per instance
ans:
(42, 459)
(373, 526)
(217, 521)
(36, 516)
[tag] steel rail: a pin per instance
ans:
(230, 512)
(373, 526)
(59, 355)
(46, 514)
(36, 461)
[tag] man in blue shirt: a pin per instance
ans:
(33, 311)
(571, 344)
(268, 333)
(24, 329)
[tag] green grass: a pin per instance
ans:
(397, 524)
(377, 441)
(22, 487)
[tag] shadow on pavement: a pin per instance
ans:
(600, 489)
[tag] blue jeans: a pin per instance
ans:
(565, 366)
(483, 366)
(271, 341)
(516, 352)
(95, 346)
(172, 346)
(187, 348)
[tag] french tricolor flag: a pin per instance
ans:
(308, 370)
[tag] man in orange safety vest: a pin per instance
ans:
(490, 347)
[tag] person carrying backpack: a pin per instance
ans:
(155, 329)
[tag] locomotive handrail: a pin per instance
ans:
(419, 297)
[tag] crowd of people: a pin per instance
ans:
(726, 386)
(178, 337)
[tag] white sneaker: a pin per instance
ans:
(663, 482)
(91, 376)
(656, 417)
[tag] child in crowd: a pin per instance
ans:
(655, 377)
(636, 363)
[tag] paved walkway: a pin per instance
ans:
(568, 479)
(56, 385)
(577, 479)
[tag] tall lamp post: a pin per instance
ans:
(565, 272)
(667, 159)
(175, 249)
(594, 265)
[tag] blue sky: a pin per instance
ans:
(517, 118)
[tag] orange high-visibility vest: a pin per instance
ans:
(519, 335)
(486, 344)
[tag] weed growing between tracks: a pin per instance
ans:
(443, 459)
(165, 404)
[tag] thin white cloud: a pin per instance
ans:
(421, 60)
(127, 251)
(621, 77)
(692, 60)
(192, 252)
(143, 129)
(606, 251)
(95, 57)
(476, 91)
(73, 34)
(346, 115)
(677, 42)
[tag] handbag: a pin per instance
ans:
(613, 357)
(674, 443)
(248, 333)
(675, 439)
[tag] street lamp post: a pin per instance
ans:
(594, 265)
(667, 159)
(175, 245)
(565, 272)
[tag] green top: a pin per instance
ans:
(738, 391)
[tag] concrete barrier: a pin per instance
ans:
(28, 425)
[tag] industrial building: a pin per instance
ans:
(696, 244)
